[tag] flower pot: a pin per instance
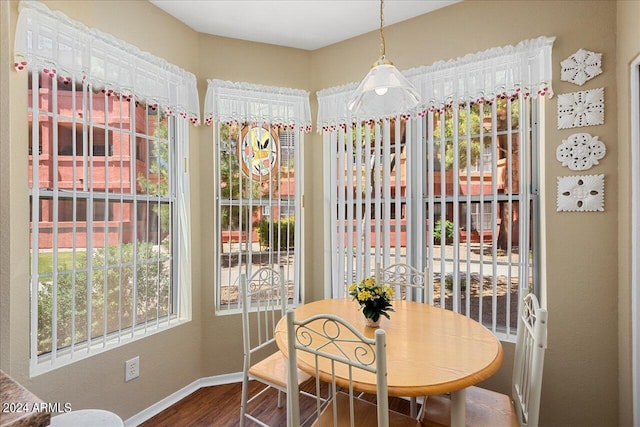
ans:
(371, 323)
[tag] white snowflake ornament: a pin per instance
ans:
(581, 193)
(584, 108)
(580, 151)
(581, 67)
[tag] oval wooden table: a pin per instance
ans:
(430, 350)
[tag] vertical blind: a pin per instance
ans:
(451, 186)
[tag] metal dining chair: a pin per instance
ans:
(407, 281)
(488, 408)
(336, 346)
(264, 298)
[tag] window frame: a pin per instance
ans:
(227, 282)
(417, 253)
(178, 196)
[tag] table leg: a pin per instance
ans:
(458, 408)
(413, 407)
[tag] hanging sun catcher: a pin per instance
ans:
(258, 152)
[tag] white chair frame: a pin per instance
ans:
(266, 293)
(318, 333)
(531, 343)
(523, 406)
(404, 276)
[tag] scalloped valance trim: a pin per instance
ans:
(51, 42)
(483, 77)
(238, 102)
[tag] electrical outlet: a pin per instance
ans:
(132, 368)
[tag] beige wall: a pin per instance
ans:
(587, 288)
(628, 49)
(5, 165)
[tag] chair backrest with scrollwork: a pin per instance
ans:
(340, 355)
(263, 300)
(408, 282)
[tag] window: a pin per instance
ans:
(428, 207)
(256, 206)
(68, 210)
(486, 212)
(104, 248)
(98, 146)
(451, 187)
(258, 139)
(108, 188)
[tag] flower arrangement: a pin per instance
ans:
(374, 298)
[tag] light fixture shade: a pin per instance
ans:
(383, 92)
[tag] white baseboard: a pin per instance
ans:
(173, 398)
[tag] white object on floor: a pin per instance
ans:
(87, 417)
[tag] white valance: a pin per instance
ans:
(480, 77)
(229, 102)
(50, 41)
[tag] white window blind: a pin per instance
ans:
(107, 189)
(451, 186)
(258, 139)
(478, 251)
(372, 193)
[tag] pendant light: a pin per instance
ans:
(384, 91)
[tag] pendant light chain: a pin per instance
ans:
(382, 44)
(384, 91)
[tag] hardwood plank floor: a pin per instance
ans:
(220, 406)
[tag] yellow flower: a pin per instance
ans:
(388, 290)
(364, 295)
(374, 298)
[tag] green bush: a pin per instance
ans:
(280, 232)
(448, 283)
(114, 285)
(437, 232)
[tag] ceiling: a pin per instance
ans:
(303, 24)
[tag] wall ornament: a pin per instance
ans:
(580, 151)
(581, 193)
(584, 108)
(581, 67)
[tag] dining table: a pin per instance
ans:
(429, 350)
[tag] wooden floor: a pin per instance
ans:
(220, 406)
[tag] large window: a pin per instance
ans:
(104, 239)
(108, 187)
(453, 191)
(258, 146)
(256, 207)
(450, 187)
(480, 249)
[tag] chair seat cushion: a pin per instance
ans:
(273, 369)
(483, 408)
(365, 414)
